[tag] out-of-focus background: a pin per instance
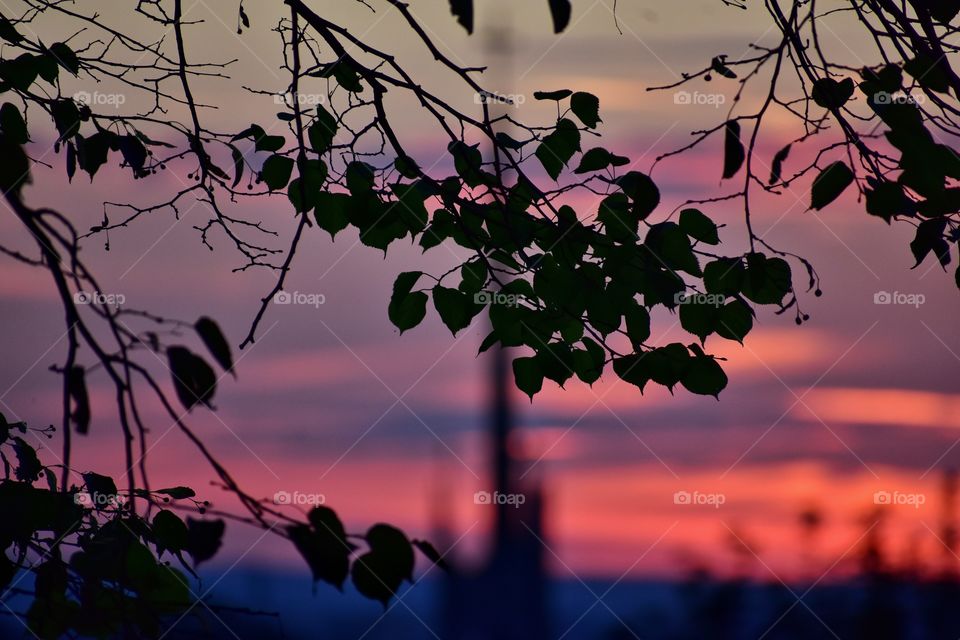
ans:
(827, 459)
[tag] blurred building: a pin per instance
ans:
(506, 599)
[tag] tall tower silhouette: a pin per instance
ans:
(507, 598)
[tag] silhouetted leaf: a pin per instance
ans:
(724, 275)
(135, 156)
(597, 158)
(331, 212)
(456, 308)
(326, 553)
(558, 147)
(767, 280)
(303, 192)
(698, 318)
(588, 363)
(193, 379)
(638, 325)
(261, 140)
(527, 375)
(941, 10)
(698, 226)
(508, 142)
(888, 199)
(704, 376)
(586, 107)
(667, 365)
(407, 167)
(830, 184)
(559, 94)
(101, 488)
(276, 171)
(92, 152)
(375, 578)
(831, 94)
(323, 130)
(324, 546)
(20, 72)
(888, 79)
(467, 160)
(392, 544)
(631, 369)
(8, 32)
(345, 75)
(929, 238)
(463, 11)
(407, 309)
(473, 276)
(734, 321)
(642, 190)
(928, 71)
(71, 161)
(66, 117)
(618, 219)
(28, 464)
(560, 13)
(15, 168)
(177, 493)
(80, 402)
(13, 125)
(556, 360)
(672, 247)
(733, 152)
(170, 531)
(719, 65)
(65, 57)
(409, 206)
(216, 343)
(204, 538)
(776, 170)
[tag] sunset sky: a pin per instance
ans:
(331, 400)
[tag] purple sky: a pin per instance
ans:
(331, 400)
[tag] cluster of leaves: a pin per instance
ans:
(924, 187)
(88, 152)
(377, 573)
(194, 380)
(897, 120)
(581, 288)
(98, 569)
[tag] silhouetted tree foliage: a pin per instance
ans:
(584, 284)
